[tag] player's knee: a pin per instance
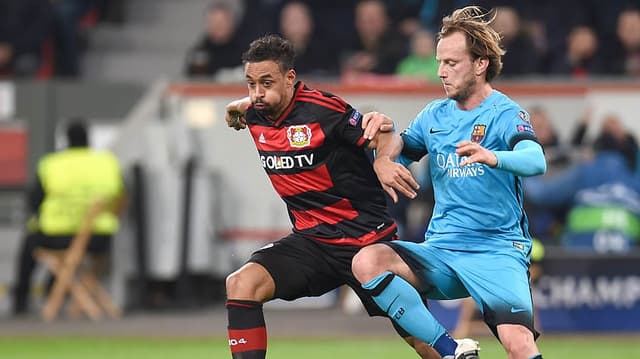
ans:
(518, 341)
(368, 263)
(240, 284)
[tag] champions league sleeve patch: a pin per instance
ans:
(355, 118)
(525, 128)
(524, 116)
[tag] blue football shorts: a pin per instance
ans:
(497, 279)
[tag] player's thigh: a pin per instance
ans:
(431, 265)
(499, 284)
(298, 266)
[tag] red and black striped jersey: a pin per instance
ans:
(315, 156)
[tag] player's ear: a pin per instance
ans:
(481, 64)
(290, 78)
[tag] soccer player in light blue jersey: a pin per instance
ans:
(480, 144)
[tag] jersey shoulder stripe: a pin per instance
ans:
(322, 98)
(322, 102)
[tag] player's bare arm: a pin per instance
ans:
(392, 175)
(475, 154)
(372, 122)
(235, 111)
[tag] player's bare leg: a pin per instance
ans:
(424, 350)
(518, 341)
(393, 285)
(247, 288)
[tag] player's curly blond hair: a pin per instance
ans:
(482, 40)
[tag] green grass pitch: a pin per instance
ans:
(565, 347)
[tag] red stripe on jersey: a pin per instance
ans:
(277, 139)
(322, 103)
(333, 100)
(339, 211)
(245, 340)
(363, 240)
(314, 180)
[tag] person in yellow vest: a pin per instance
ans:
(67, 182)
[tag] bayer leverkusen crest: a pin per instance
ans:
(478, 133)
(299, 136)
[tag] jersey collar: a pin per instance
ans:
(297, 88)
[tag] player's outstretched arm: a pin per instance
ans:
(526, 159)
(235, 111)
(392, 175)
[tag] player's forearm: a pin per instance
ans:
(526, 159)
(388, 145)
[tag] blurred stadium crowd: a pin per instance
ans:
(46, 38)
(590, 197)
(352, 40)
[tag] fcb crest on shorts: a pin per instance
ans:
(299, 136)
(478, 133)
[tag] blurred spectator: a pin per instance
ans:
(546, 223)
(67, 182)
(581, 57)
(68, 41)
(378, 47)
(615, 136)
(404, 14)
(316, 55)
(260, 17)
(549, 23)
(335, 19)
(521, 57)
(557, 153)
(626, 58)
(421, 62)
(220, 47)
(24, 25)
(603, 194)
(432, 11)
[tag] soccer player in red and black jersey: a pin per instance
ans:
(313, 148)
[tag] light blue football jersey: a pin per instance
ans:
(477, 206)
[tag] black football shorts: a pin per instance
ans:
(303, 267)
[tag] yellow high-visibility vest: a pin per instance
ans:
(72, 179)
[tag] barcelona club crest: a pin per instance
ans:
(478, 133)
(299, 136)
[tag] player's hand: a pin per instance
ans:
(394, 176)
(475, 154)
(372, 122)
(235, 113)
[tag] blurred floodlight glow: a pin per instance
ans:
(200, 112)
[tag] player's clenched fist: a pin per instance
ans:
(235, 113)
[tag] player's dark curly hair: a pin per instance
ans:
(271, 48)
(482, 40)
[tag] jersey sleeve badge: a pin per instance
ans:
(525, 128)
(524, 116)
(355, 118)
